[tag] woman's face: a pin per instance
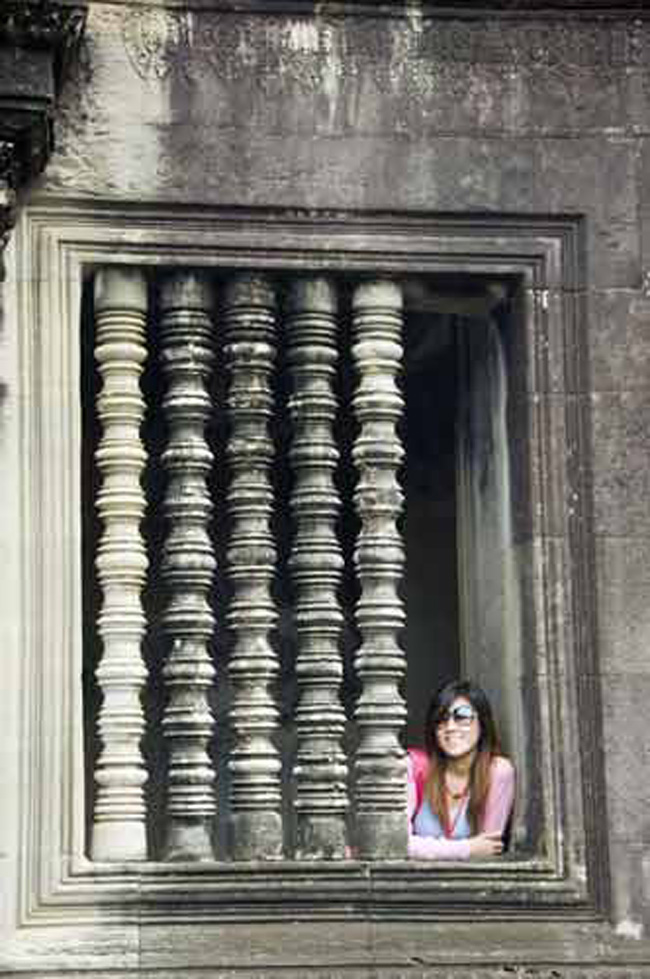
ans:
(458, 729)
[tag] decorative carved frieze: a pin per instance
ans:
(316, 563)
(249, 321)
(188, 563)
(120, 351)
(157, 41)
(380, 788)
(334, 51)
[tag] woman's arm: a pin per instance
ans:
(501, 796)
(430, 847)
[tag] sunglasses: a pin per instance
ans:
(462, 716)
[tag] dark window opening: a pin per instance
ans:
(432, 634)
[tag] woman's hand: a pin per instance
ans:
(485, 845)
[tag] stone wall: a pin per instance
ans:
(406, 111)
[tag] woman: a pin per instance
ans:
(461, 790)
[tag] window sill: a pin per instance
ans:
(287, 890)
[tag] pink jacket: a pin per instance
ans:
(498, 808)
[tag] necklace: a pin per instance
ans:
(459, 797)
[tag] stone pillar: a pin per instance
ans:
(380, 784)
(250, 334)
(316, 563)
(119, 815)
(188, 563)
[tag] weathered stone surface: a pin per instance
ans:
(621, 442)
(268, 945)
(597, 178)
(626, 738)
(537, 427)
(624, 610)
(405, 945)
(543, 340)
(294, 171)
(619, 339)
(562, 100)
(643, 179)
(306, 133)
(55, 950)
(630, 891)
(416, 970)
(397, 75)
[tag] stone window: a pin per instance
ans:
(266, 423)
(297, 497)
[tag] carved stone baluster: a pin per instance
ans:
(119, 816)
(316, 563)
(379, 556)
(249, 323)
(188, 564)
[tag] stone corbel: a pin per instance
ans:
(7, 193)
(37, 40)
(46, 25)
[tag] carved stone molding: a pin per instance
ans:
(444, 40)
(157, 41)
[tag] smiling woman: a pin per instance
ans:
(461, 789)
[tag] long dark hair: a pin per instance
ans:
(487, 747)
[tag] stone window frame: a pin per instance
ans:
(55, 246)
